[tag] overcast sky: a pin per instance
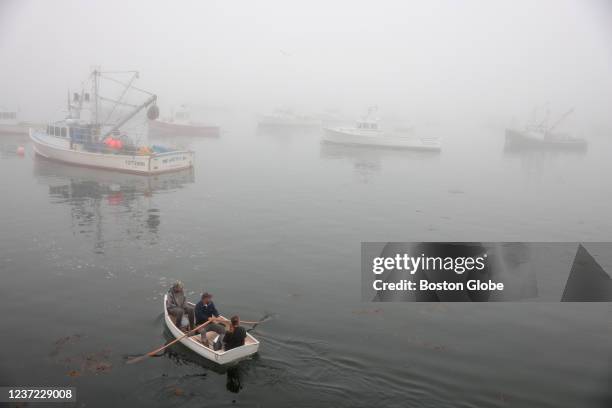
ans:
(411, 57)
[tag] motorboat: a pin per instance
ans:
(367, 132)
(181, 124)
(10, 124)
(286, 118)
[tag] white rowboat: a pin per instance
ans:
(222, 357)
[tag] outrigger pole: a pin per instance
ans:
(122, 122)
(561, 119)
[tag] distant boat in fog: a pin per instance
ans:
(539, 135)
(84, 139)
(10, 123)
(367, 132)
(284, 118)
(180, 124)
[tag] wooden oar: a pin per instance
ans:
(263, 319)
(266, 317)
(152, 353)
(241, 321)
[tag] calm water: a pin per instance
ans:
(271, 224)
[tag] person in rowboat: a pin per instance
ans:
(205, 310)
(235, 334)
(177, 305)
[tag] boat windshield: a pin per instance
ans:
(8, 115)
(367, 125)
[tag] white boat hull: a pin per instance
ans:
(59, 149)
(164, 128)
(376, 138)
(517, 140)
(221, 357)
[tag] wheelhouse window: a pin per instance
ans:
(63, 132)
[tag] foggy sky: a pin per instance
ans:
(439, 59)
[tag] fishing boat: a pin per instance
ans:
(10, 124)
(539, 135)
(286, 118)
(180, 124)
(85, 139)
(222, 357)
(367, 132)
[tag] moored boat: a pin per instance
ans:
(222, 357)
(180, 124)
(285, 118)
(368, 133)
(541, 136)
(10, 124)
(540, 139)
(82, 139)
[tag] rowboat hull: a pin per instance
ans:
(59, 149)
(377, 138)
(163, 128)
(220, 357)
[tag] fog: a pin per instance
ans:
(480, 61)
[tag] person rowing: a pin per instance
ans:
(177, 305)
(205, 310)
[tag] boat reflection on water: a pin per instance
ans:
(10, 144)
(181, 355)
(367, 160)
(542, 150)
(537, 163)
(109, 206)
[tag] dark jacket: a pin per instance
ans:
(204, 312)
(235, 339)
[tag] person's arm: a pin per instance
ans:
(170, 303)
(215, 312)
(199, 317)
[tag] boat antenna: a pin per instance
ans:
(96, 75)
(561, 119)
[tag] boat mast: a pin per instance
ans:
(96, 73)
